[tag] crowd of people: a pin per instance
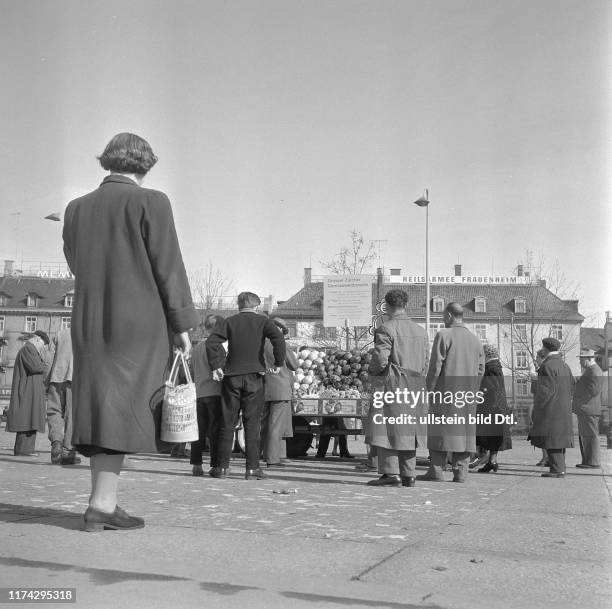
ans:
(133, 307)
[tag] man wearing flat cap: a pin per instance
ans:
(552, 408)
(26, 414)
(587, 407)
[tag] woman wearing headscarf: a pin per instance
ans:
(492, 436)
(132, 299)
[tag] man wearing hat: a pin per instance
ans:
(26, 414)
(587, 407)
(552, 408)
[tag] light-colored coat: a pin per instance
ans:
(401, 354)
(587, 394)
(457, 364)
(61, 370)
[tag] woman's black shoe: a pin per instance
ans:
(95, 520)
(488, 467)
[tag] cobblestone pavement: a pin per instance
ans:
(334, 538)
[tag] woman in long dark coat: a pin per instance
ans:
(131, 297)
(492, 436)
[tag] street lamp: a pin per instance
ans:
(423, 201)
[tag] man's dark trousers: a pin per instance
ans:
(242, 392)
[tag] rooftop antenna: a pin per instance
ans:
(378, 247)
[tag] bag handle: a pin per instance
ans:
(179, 359)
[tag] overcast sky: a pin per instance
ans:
(281, 125)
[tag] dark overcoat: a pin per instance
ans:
(552, 406)
(131, 296)
(587, 393)
(456, 365)
(27, 405)
(493, 436)
(399, 361)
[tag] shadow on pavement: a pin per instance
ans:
(27, 514)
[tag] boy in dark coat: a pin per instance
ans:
(241, 372)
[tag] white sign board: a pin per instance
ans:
(347, 298)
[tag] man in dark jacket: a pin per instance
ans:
(587, 407)
(241, 373)
(26, 414)
(552, 408)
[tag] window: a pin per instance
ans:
(68, 300)
(480, 304)
(32, 300)
(1, 326)
(323, 333)
(556, 331)
(438, 304)
(433, 330)
(520, 306)
(521, 331)
(522, 359)
(30, 324)
(66, 323)
(292, 327)
(523, 388)
(481, 331)
(2, 300)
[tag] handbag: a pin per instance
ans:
(179, 420)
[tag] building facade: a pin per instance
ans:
(512, 313)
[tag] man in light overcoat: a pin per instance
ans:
(456, 365)
(401, 354)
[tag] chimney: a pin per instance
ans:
(307, 276)
(379, 284)
(519, 270)
(457, 270)
(9, 267)
(395, 271)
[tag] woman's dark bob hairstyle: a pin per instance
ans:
(128, 153)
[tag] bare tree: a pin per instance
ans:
(352, 260)
(544, 314)
(208, 287)
(355, 259)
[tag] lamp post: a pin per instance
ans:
(423, 201)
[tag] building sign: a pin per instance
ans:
(55, 274)
(461, 279)
(347, 300)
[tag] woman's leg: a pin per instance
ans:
(493, 456)
(105, 470)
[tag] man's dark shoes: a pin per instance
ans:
(587, 466)
(385, 480)
(95, 520)
(56, 452)
(408, 481)
(553, 475)
(255, 474)
(219, 472)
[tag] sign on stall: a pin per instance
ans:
(347, 300)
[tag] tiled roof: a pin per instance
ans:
(308, 302)
(50, 292)
(592, 338)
